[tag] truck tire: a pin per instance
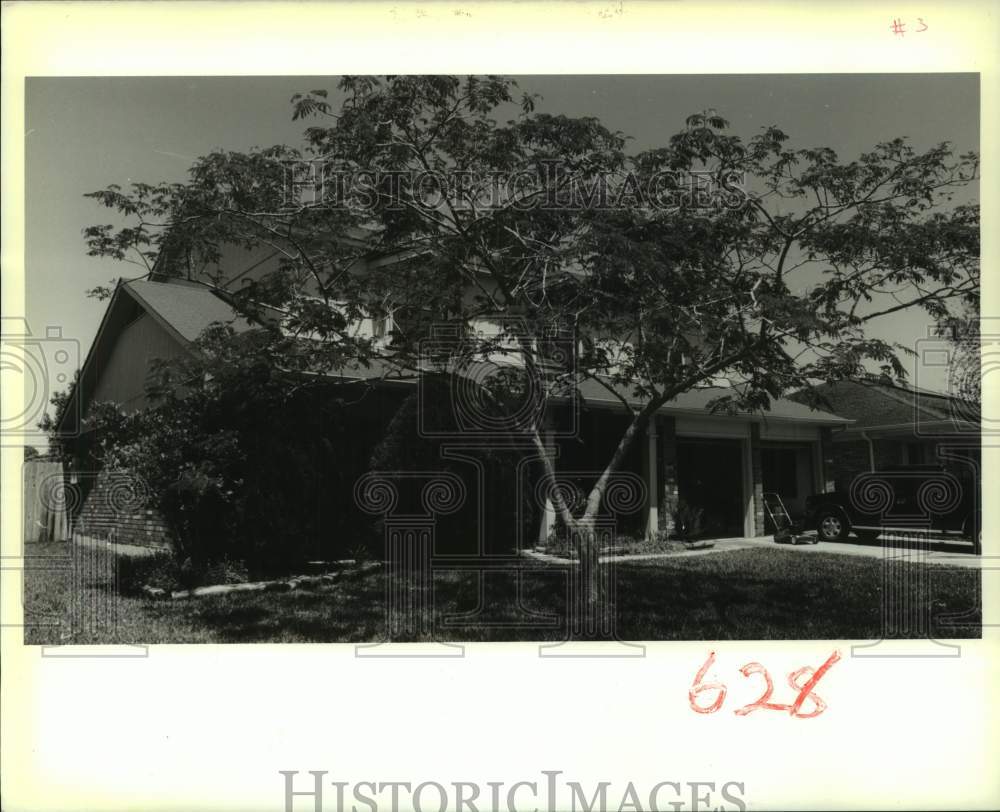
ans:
(832, 526)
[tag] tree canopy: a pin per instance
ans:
(711, 255)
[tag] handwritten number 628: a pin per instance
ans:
(804, 690)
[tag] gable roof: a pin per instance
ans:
(182, 309)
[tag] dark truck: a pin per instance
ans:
(904, 498)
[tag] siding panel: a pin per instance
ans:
(123, 377)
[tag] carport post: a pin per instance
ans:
(650, 468)
(547, 525)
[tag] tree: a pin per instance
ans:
(234, 460)
(964, 373)
(60, 446)
(710, 255)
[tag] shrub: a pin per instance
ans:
(158, 569)
(226, 571)
(687, 520)
(243, 464)
(163, 571)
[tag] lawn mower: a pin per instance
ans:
(785, 530)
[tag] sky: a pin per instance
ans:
(84, 133)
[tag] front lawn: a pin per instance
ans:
(743, 594)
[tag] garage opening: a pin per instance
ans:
(710, 476)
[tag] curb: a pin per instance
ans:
(281, 585)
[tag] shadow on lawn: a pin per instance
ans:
(346, 613)
(741, 595)
(698, 606)
(776, 595)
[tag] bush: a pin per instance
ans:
(162, 571)
(687, 518)
(226, 571)
(243, 465)
(158, 569)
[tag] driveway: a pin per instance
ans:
(932, 551)
(935, 551)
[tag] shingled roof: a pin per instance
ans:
(874, 405)
(696, 401)
(596, 394)
(184, 309)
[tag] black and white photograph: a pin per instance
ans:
(433, 406)
(494, 358)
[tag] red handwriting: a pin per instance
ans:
(803, 690)
(898, 26)
(699, 687)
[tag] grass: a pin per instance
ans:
(765, 594)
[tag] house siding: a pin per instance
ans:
(123, 377)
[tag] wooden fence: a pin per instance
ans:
(46, 505)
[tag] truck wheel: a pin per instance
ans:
(831, 526)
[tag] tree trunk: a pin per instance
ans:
(591, 606)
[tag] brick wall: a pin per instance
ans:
(114, 501)
(889, 453)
